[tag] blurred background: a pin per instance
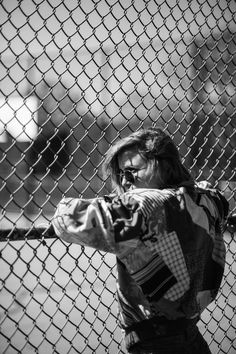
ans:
(74, 77)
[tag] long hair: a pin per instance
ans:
(153, 144)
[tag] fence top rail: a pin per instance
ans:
(19, 234)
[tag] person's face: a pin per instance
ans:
(137, 172)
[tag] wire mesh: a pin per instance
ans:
(74, 77)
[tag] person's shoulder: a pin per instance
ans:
(204, 186)
(215, 195)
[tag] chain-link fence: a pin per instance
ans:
(74, 77)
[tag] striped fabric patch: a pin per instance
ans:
(150, 199)
(155, 278)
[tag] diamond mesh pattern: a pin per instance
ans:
(74, 77)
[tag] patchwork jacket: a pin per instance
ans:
(168, 243)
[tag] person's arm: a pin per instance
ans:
(110, 225)
(81, 221)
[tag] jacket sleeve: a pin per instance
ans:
(82, 221)
(110, 225)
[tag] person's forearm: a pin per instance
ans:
(85, 222)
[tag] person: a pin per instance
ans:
(166, 231)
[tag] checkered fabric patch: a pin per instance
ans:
(168, 247)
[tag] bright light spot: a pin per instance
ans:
(18, 117)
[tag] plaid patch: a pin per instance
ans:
(168, 247)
